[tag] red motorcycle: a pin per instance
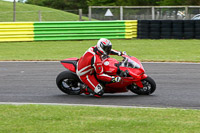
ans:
(129, 69)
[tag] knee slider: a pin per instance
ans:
(99, 90)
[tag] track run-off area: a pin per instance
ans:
(178, 86)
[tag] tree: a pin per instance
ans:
(101, 2)
(21, 1)
(178, 2)
(122, 2)
(61, 4)
(83, 4)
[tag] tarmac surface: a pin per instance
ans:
(178, 86)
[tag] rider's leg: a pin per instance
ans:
(93, 84)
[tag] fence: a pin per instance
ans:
(42, 15)
(143, 12)
(68, 30)
(101, 13)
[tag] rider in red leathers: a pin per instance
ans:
(91, 62)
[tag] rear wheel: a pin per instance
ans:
(149, 86)
(67, 82)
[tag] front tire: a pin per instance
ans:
(149, 86)
(67, 82)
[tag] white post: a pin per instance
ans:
(40, 16)
(80, 14)
(14, 11)
(90, 13)
(121, 12)
(153, 12)
(186, 13)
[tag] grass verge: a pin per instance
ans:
(145, 50)
(73, 119)
(28, 12)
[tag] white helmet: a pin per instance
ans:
(104, 46)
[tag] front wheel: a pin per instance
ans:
(149, 86)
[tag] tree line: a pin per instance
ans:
(83, 4)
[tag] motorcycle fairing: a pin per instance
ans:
(70, 64)
(119, 86)
(136, 74)
(109, 66)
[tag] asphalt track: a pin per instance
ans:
(178, 85)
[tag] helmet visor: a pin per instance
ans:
(107, 49)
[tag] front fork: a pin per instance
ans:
(139, 83)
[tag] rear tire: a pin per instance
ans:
(67, 82)
(149, 87)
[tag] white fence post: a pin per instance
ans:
(40, 16)
(153, 12)
(186, 13)
(80, 14)
(14, 11)
(121, 12)
(90, 13)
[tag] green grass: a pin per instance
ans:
(28, 12)
(145, 50)
(76, 119)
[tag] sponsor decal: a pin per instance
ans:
(106, 63)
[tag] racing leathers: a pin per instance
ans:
(90, 63)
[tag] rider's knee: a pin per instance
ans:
(99, 90)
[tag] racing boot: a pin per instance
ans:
(98, 96)
(84, 89)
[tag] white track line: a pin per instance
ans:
(66, 104)
(92, 105)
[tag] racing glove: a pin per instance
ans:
(122, 53)
(116, 79)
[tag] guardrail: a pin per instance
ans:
(70, 30)
(80, 30)
(16, 31)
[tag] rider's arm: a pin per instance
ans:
(97, 64)
(115, 52)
